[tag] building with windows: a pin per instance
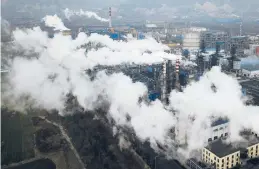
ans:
(219, 129)
(222, 155)
(191, 40)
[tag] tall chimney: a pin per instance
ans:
(177, 67)
(110, 17)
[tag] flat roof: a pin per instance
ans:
(221, 149)
(219, 121)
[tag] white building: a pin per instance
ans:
(191, 40)
(219, 128)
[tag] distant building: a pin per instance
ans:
(212, 37)
(253, 50)
(251, 88)
(241, 43)
(191, 40)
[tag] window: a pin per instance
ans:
(218, 160)
(227, 158)
(232, 156)
(214, 158)
(222, 160)
(232, 165)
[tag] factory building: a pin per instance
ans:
(160, 78)
(241, 43)
(212, 37)
(250, 87)
(222, 155)
(191, 40)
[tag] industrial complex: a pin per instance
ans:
(198, 50)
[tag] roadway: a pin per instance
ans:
(64, 134)
(22, 162)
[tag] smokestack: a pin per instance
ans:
(163, 81)
(177, 67)
(241, 28)
(110, 17)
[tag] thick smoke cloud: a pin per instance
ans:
(54, 21)
(58, 67)
(201, 102)
(89, 14)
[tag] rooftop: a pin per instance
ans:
(219, 122)
(221, 149)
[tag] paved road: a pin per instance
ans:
(22, 162)
(64, 134)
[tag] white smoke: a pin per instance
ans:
(54, 21)
(200, 101)
(59, 68)
(68, 13)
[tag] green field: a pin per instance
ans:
(17, 141)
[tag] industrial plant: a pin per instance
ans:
(150, 132)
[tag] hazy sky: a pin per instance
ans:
(127, 8)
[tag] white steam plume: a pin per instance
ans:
(200, 101)
(58, 69)
(68, 13)
(54, 21)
